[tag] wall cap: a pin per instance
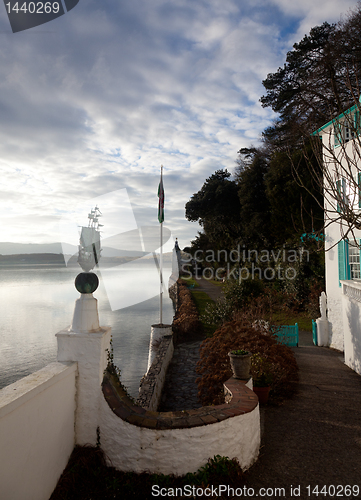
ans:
(21, 391)
(243, 401)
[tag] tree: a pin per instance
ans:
(301, 91)
(318, 85)
(319, 79)
(254, 204)
(216, 207)
(294, 211)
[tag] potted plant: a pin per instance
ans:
(262, 377)
(240, 363)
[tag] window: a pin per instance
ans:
(348, 193)
(348, 261)
(354, 261)
(338, 134)
(341, 194)
(343, 265)
(347, 128)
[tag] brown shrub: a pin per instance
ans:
(186, 321)
(313, 305)
(214, 366)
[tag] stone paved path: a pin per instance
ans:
(314, 439)
(180, 392)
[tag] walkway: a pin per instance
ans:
(213, 291)
(313, 439)
(180, 390)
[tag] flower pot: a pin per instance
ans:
(262, 393)
(241, 365)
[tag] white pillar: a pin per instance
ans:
(156, 334)
(86, 343)
(85, 317)
(323, 323)
(322, 332)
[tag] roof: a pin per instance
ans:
(335, 120)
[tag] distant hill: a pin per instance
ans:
(55, 260)
(50, 254)
(7, 248)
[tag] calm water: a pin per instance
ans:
(38, 302)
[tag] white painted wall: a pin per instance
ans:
(43, 415)
(352, 328)
(157, 394)
(89, 350)
(178, 451)
(36, 432)
(149, 395)
(157, 332)
(332, 236)
(333, 290)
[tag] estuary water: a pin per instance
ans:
(37, 302)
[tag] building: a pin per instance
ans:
(341, 150)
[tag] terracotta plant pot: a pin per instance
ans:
(241, 365)
(262, 393)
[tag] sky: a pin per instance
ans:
(95, 101)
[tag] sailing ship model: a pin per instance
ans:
(89, 244)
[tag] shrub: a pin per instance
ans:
(313, 306)
(87, 476)
(186, 321)
(214, 367)
(236, 296)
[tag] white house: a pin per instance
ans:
(342, 204)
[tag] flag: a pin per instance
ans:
(161, 200)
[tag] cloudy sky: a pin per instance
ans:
(95, 101)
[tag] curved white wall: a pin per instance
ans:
(138, 440)
(178, 451)
(37, 416)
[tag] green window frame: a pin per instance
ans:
(343, 261)
(357, 122)
(341, 191)
(338, 133)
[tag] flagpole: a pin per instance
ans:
(161, 274)
(161, 258)
(159, 330)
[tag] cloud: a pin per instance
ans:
(98, 99)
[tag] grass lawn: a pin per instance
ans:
(190, 282)
(201, 299)
(290, 318)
